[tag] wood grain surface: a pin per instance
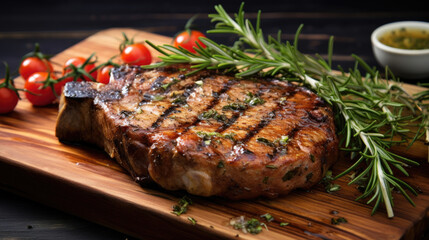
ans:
(84, 181)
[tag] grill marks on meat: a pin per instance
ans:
(203, 133)
(200, 99)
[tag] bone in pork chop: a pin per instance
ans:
(206, 133)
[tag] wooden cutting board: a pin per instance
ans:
(84, 181)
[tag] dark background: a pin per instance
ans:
(57, 25)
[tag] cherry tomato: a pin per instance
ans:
(187, 41)
(41, 96)
(78, 62)
(103, 75)
(31, 65)
(136, 54)
(8, 99)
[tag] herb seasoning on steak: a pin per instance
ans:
(207, 133)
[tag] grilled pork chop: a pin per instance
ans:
(206, 133)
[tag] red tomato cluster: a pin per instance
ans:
(43, 85)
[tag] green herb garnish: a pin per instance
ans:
(278, 143)
(252, 226)
(167, 85)
(290, 174)
(157, 97)
(336, 221)
(209, 135)
(312, 157)
(282, 224)
(265, 180)
(179, 100)
(234, 107)
(265, 141)
(283, 100)
(333, 188)
(229, 136)
(193, 221)
(213, 114)
(268, 217)
(327, 181)
(283, 140)
(182, 206)
(253, 100)
(220, 164)
(271, 166)
(308, 177)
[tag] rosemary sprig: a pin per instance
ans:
(369, 111)
(422, 99)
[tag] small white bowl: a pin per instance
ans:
(411, 64)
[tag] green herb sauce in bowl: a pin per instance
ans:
(403, 47)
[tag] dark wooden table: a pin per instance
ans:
(57, 25)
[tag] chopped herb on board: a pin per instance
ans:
(182, 206)
(252, 226)
(361, 182)
(282, 224)
(268, 217)
(193, 221)
(327, 181)
(337, 221)
(332, 188)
